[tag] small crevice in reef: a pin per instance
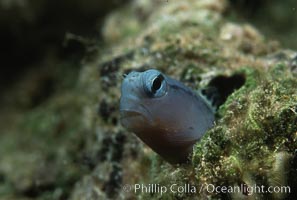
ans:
(220, 87)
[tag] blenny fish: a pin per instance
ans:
(165, 114)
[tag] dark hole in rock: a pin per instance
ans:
(220, 87)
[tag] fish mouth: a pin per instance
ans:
(135, 117)
(129, 114)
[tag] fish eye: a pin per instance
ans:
(154, 83)
(157, 83)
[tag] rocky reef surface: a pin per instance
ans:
(73, 146)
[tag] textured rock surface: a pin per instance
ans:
(79, 150)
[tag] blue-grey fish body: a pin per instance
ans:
(164, 113)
